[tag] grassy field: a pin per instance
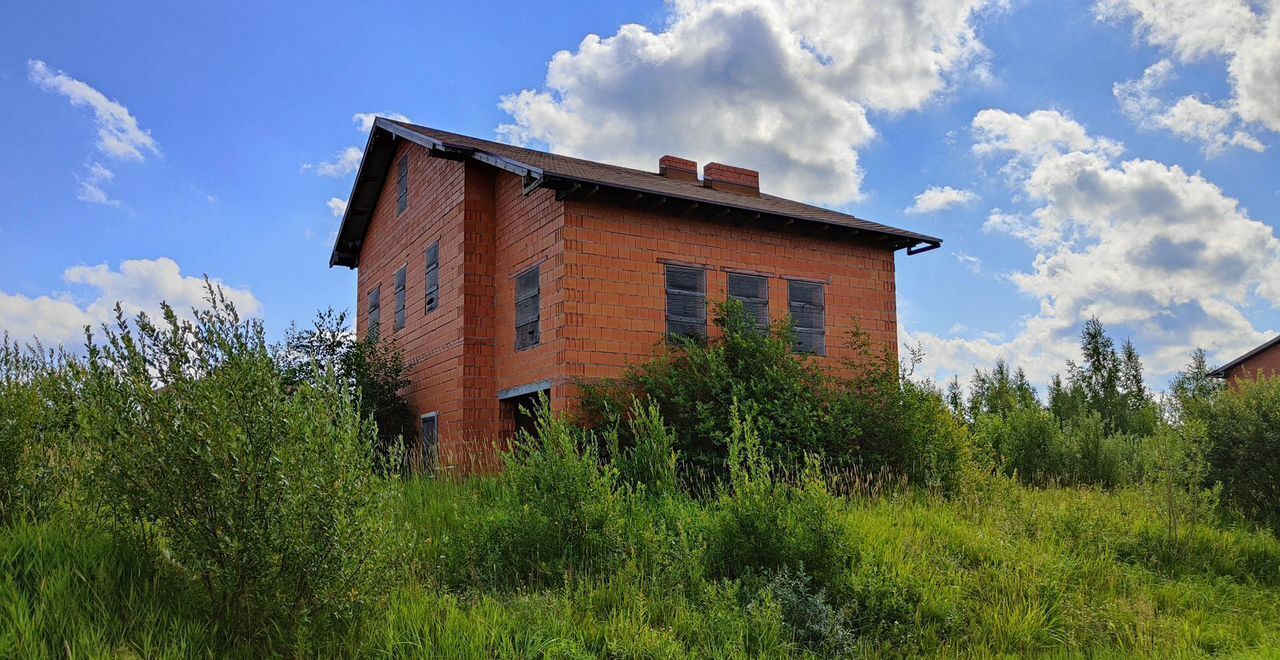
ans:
(1008, 571)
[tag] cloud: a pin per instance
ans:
(746, 81)
(1157, 253)
(91, 186)
(337, 206)
(935, 199)
(348, 160)
(1244, 34)
(119, 135)
(1213, 126)
(344, 162)
(974, 264)
(139, 285)
(364, 120)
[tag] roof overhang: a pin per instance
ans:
(386, 136)
(1221, 372)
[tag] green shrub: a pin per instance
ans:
(813, 621)
(1242, 429)
(761, 525)
(1099, 458)
(1027, 442)
(559, 512)
(372, 367)
(694, 386)
(40, 455)
(651, 461)
(260, 491)
(908, 430)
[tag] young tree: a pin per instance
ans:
(1000, 391)
(372, 367)
(1193, 389)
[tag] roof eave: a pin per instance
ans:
(375, 165)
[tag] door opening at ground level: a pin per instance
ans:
(519, 412)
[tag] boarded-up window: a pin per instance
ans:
(686, 301)
(809, 316)
(402, 184)
(753, 292)
(400, 282)
(430, 441)
(433, 276)
(528, 302)
(375, 307)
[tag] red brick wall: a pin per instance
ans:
(1263, 365)
(615, 286)
(602, 289)
(462, 354)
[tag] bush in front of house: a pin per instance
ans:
(559, 512)
(1242, 432)
(39, 453)
(371, 366)
(260, 490)
(877, 420)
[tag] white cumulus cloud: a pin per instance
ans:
(337, 206)
(1158, 254)
(935, 199)
(139, 285)
(781, 86)
(1213, 126)
(1244, 34)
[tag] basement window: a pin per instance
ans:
(528, 300)
(433, 277)
(375, 308)
(753, 292)
(400, 286)
(430, 441)
(402, 184)
(808, 316)
(686, 301)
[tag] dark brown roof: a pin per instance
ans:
(574, 176)
(1221, 372)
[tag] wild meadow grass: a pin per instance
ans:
(1007, 571)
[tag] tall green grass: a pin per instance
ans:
(1003, 571)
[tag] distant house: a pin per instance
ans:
(505, 273)
(1261, 362)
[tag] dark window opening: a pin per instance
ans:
(402, 184)
(375, 308)
(520, 413)
(430, 442)
(686, 301)
(528, 301)
(753, 292)
(400, 286)
(808, 316)
(433, 276)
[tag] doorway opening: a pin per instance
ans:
(520, 409)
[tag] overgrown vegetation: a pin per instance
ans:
(187, 489)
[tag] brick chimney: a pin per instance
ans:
(675, 167)
(738, 180)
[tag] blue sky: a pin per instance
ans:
(1116, 158)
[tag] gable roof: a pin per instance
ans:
(578, 178)
(1221, 372)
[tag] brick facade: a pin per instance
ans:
(602, 288)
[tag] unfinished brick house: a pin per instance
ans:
(505, 272)
(1261, 362)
